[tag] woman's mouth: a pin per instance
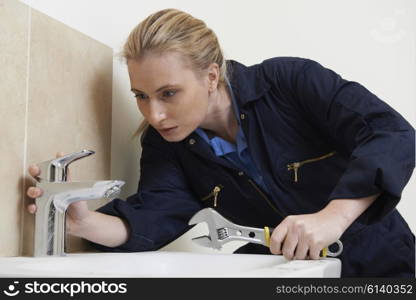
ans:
(168, 131)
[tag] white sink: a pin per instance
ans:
(167, 264)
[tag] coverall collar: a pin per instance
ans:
(248, 83)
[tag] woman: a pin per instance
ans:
(285, 143)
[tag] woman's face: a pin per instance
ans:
(169, 95)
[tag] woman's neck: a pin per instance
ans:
(220, 119)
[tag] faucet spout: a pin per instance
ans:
(99, 189)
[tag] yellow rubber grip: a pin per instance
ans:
(267, 236)
(324, 252)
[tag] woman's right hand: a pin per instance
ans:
(76, 213)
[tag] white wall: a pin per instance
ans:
(369, 41)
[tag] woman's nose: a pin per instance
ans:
(157, 113)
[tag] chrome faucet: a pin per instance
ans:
(58, 194)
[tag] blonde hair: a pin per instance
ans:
(175, 30)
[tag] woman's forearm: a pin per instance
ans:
(102, 229)
(349, 209)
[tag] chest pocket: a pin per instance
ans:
(297, 165)
(310, 170)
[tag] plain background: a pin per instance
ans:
(372, 42)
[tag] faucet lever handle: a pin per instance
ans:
(56, 170)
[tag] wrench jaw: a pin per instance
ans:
(205, 241)
(201, 216)
(211, 217)
(222, 231)
(214, 221)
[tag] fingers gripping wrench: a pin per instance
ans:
(222, 231)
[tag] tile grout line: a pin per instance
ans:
(22, 212)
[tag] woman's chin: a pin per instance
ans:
(175, 135)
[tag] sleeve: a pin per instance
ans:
(160, 210)
(380, 143)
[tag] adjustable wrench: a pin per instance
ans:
(222, 231)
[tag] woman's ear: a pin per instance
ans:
(213, 77)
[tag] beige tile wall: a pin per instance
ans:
(13, 65)
(68, 105)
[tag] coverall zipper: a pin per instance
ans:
(214, 194)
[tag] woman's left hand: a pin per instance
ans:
(304, 236)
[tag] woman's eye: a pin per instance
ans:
(169, 93)
(140, 96)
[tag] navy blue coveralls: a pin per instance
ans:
(349, 143)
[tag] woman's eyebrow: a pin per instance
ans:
(159, 89)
